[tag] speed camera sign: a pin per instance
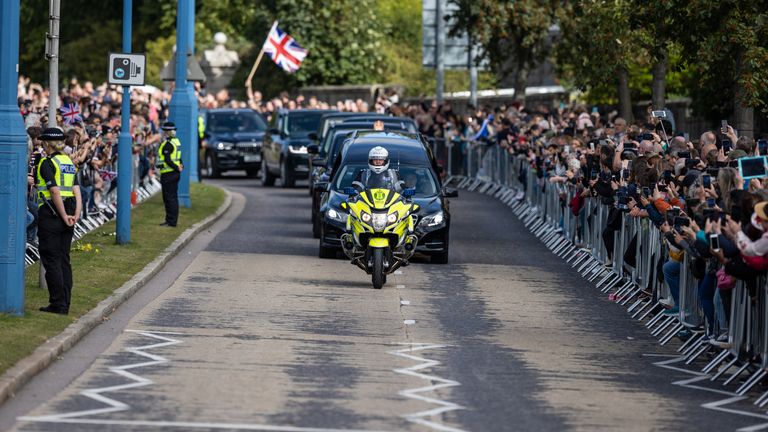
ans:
(126, 69)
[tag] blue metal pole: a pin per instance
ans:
(183, 98)
(125, 144)
(194, 149)
(13, 166)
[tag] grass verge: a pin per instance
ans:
(99, 267)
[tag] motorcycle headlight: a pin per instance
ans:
(365, 217)
(379, 221)
(297, 149)
(225, 146)
(432, 220)
(392, 218)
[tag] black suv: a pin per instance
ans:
(232, 141)
(284, 153)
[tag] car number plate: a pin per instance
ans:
(252, 158)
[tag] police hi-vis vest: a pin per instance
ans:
(65, 178)
(175, 155)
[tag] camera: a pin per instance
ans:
(659, 114)
(123, 68)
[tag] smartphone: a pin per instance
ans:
(724, 126)
(603, 142)
(706, 181)
(714, 242)
(594, 110)
(726, 145)
(593, 175)
(709, 214)
(659, 114)
(625, 174)
(686, 136)
(711, 203)
(662, 187)
(646, 192)
(762, 147)
(682, 221)
(668, 176)
(592, 145)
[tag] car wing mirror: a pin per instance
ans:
(320, 185)
(312, 136)
(313, 149)
(274, 131)
(318, 161)
(450, 193)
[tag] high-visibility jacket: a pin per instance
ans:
(200, 127)
(175, 155)
(65, 178)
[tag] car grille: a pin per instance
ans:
(248, 147)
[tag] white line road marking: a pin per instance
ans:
(398, 272)
(409, 322)
(445, 406)
(193, 425)
(138, 381)
(717, 405)
(399, 286)
(405, 302)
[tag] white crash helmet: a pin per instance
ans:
(378, 154)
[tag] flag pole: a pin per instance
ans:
(258, 59)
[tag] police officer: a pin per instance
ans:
(169, 164)
(60, 207)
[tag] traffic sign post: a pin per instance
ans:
(125, 69)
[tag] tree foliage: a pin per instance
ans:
(513, 34)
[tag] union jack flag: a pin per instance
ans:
(71, 113)
(284, 50)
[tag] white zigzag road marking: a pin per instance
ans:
(138, 381)
(717, 405)
(444, 406)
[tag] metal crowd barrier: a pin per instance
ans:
(99, 218)
(543, 208)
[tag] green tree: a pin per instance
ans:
(513, 34)
(727, 44)
(598, 49)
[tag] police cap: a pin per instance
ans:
(168, 126)
(52, 134)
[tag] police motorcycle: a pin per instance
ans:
(380, 235)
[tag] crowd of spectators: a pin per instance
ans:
(90, 118)
(711, 211)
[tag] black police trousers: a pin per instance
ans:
(55, 239)
(170, 183)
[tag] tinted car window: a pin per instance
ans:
(240, 121)
(302, 123)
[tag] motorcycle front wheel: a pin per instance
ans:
(378, 268)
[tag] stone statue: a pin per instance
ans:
(219, 64)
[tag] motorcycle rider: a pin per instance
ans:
(378, 175)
